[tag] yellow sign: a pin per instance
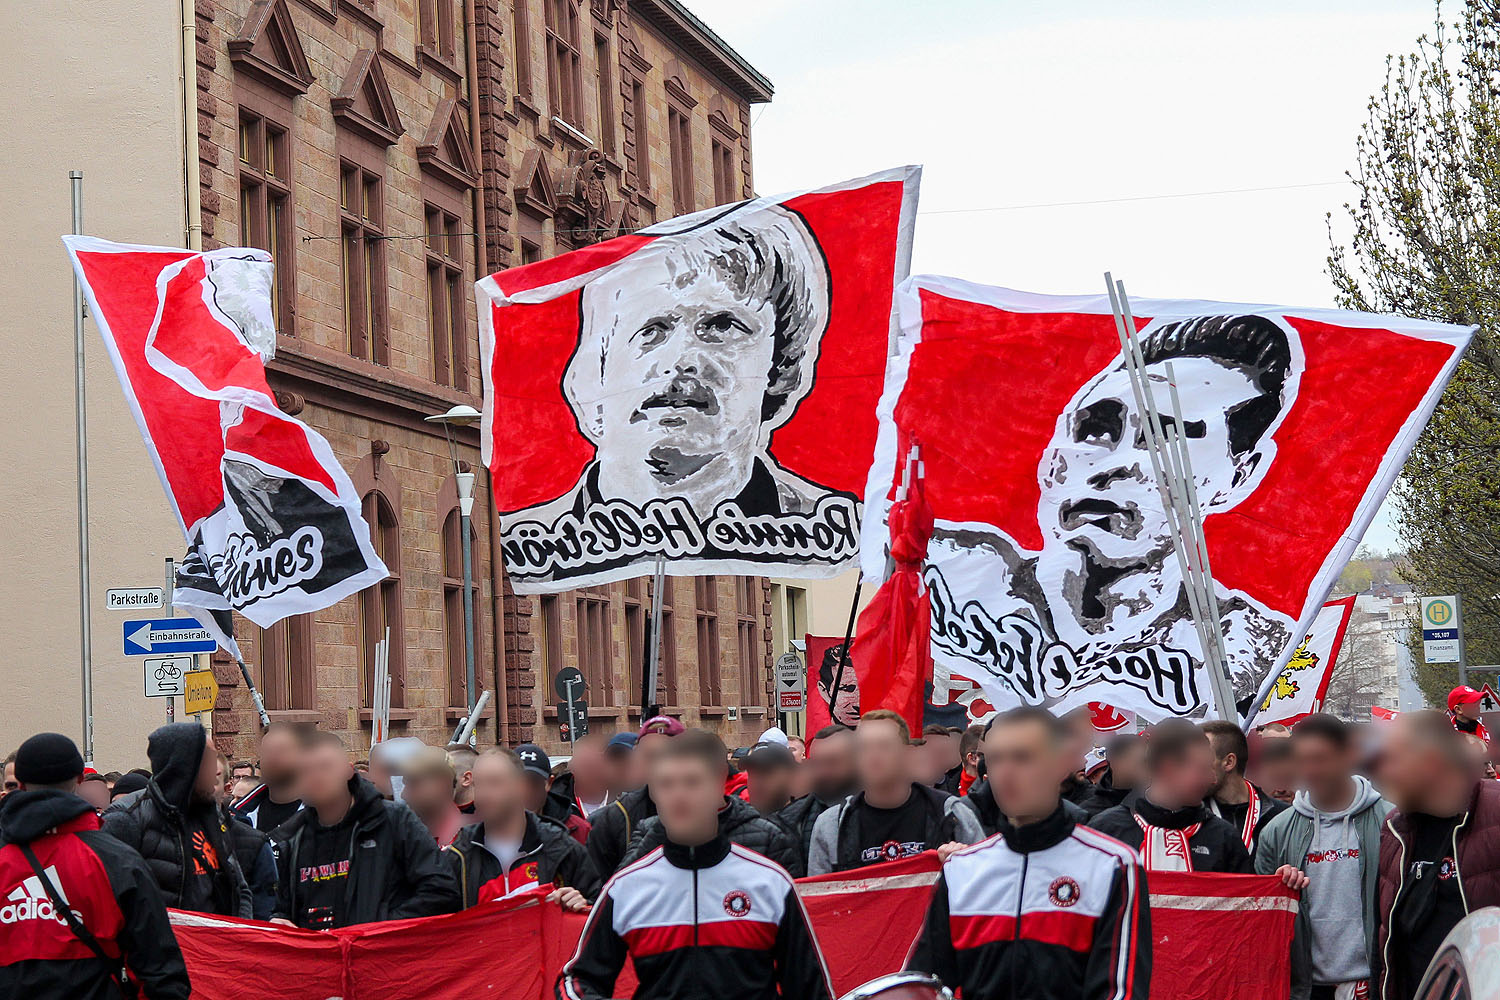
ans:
(201, 691)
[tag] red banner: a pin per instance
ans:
(1216, 937)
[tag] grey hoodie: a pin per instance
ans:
(1339, 852)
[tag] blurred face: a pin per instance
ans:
(242, 787)
(1185, 779)
(1322, 768)
(932, 759)
(882, 757)
(770, 788)
(535, 791)
(11, 784)
(278, 756)
(428, 793)
(646, 750)
(1026, 765)
(1468, 712)
(95, 793)
(832, 766)
(209, 783)
(1128, 767)
(688, 794)
(1278, 777)
(798, 748)
(617, 770)
(324, 776)
(221, 787)
(499, 790)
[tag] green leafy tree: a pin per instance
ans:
(1426, 243)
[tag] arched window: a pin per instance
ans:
(380, 603)
(286, 665)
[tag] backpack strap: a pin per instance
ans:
(60, 906)
(626, 813)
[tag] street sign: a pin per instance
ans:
(573, 719)
(1488, 700)
(569, 683)
(791, 683)
(133, 599)
(200, 692)
(1442, 630)
(165, 675)
(152, 636)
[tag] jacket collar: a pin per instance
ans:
(1036, 836)
(699, 857)
(1170, 819)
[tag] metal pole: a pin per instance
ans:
(85, 623)
(1463, 657)
(573, 715)
(653, 649)
(465, 527)
(167, 592)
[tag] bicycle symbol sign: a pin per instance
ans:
(166, 676)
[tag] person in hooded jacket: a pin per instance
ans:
(549, 797)
(177, 826)
(1327, 845)
(830, 768)
(116, 911)
(1167, 821)
(613, 827)
(351, 857)
(512, 849)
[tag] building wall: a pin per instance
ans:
(91, 87)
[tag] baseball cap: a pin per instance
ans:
(662, 725)
(769, 755)
(1094, 760)
(773, 735)
(534, 760)
(620, 743)
(1463, 695)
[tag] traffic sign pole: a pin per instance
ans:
(1463, 657)
(166, 596)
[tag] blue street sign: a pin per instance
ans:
(152, 636)
(1439, 634)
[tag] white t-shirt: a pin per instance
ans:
(505, 851)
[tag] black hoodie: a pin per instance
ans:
(741, 824)
(1215, 846)
(185, 841)
(393, 869)
(106, 885)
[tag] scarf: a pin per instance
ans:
(1164, 849)
(1252, 815)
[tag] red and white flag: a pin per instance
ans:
(272, 522)
(1302, 684)
(1051, 568)
(702, 391)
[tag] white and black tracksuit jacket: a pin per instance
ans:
(716, 921)
(1049, 911)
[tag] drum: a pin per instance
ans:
(901, 986)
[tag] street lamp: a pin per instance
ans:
(463, 415)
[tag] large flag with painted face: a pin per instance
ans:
(272, 522)
(1052, 572)
(702, 391)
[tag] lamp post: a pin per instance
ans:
(463, 415)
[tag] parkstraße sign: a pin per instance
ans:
(133, 598)
(1442, 630)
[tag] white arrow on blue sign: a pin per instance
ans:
(152, 636)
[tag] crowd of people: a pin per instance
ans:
(1390, 833)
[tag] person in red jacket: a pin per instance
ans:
(1439, 852)
(75, 903)
(1463, 709)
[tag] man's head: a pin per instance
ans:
(590, 769)
(222, 781)
(617, 758)
(500, 787)
(842, 702)
(1324, 754)
(1463, 702)
(771, 770)
(687, 785)
(242, 769)
(798, 747)
(324, 771)
(1422, 759)
(1126, 754)
(694, 348)
(971, 748)
(428, 782)
(11, 784)
(1180, 762)
(882, 750)
(536, 769)
(1231, 751)
(279, 752)
(94, 790)
(1273, 768)
(462, 756)
(46, 760)
(1099, 506)
(830, 762)
(1027, 755)
(940, 753)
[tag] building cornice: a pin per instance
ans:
(697, 39)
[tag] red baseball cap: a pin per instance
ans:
(1463, 695)
(663, 725)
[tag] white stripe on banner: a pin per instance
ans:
(185, 918)
(1171, 902)
(913, 881)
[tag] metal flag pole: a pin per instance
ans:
(168, 591)
(649, 694)
(465, 485)
(260, 704)
(80, 404)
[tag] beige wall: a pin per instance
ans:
(93, 87)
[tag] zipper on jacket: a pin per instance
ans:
(1457, 870)
(1021, 895)
(693, 857)
(1385, 953)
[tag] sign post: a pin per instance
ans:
(572, 710)
(1443, 633)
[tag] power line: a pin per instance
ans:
(1141, 197)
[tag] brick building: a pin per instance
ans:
(387, 152)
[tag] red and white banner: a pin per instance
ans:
(1052, 572)
(866, 923)
(703, 390)
(272, 522)
(1303, 682)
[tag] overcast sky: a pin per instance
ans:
(1015, 106)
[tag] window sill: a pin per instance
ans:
(295, 716)
(595, 712)
(523, 104)
(367, 715)
(673, 710)
(712, 711)
(453, 714)
(758, 711)
(445, 66)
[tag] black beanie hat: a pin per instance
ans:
(48, 759)
(126, 784)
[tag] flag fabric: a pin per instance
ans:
(893, 643)
(702, 391)
(866, 923)
(1302, 684)
(272, 522)
(952, 699)
(1051, 569)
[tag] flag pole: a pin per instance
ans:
(80, 405)
(649, 694)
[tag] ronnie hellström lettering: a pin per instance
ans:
(613, 531)
(1014, 649)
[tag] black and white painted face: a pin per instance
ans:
(686, 368)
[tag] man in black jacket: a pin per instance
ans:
(753, 942)
(830, 768)
(1233, 798)
(53, 852)
(1047, 910)
(351, 857)
(1125, 757)
(613, 826)
(175, 824)
(511, 849)
(1167, 822)
(252, 849)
